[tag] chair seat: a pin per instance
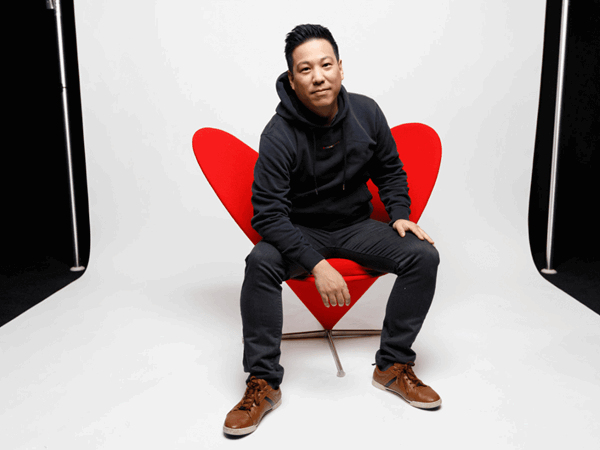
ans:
(358, 279)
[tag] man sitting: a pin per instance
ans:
(311, 202)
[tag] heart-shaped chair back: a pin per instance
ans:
(228, 165)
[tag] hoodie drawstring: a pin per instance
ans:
(344, 147)
(314, 139)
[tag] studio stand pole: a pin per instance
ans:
(55, 5)
(557, 113)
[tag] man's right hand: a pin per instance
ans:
(331, 285)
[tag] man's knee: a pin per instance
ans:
(264, 255)
(429, 255)
(423, 257)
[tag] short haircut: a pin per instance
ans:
(303, 33)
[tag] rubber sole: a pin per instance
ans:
(419, 405)
(250, 429)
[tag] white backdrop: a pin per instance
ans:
(144, 351)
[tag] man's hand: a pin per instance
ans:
(402, 226)
(331, 285)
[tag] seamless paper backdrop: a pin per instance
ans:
(145, 349)
(154, 73)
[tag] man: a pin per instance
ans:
(310, 203)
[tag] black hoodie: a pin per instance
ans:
(315, 175)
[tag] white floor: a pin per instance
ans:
(157, 365)
(144, 351)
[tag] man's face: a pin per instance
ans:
(317, 76)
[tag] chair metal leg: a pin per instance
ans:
(329, 335)
(355, 333)
(305, 335)
(336, 358)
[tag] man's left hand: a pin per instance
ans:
(402, 226)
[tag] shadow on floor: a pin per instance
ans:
(24, 286)
(578, 277)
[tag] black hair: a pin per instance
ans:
(303, 33)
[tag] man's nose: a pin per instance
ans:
(318, 77)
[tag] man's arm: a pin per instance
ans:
(271, 220)
(389, 176)
(272, 206)
(386, 170)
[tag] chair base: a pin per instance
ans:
(329, 335)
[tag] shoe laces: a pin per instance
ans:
(406, 369)
(254, 391)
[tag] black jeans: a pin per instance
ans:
(372, 244)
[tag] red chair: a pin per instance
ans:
(228, 165)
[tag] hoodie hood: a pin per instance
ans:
(292, 109)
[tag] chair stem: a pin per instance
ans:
(338, 364)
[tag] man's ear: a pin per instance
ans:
(341, 69)
(291, 79)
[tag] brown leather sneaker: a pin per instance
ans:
(401, 380)
(259, 399)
